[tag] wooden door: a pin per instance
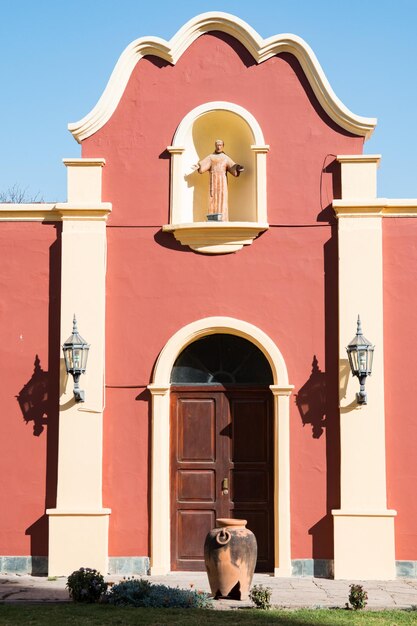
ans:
(218, 435)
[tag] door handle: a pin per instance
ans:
(225, 486)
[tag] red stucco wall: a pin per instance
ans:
(400, 337)
(29, 326)
(285, 283)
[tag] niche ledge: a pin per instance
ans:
(216, 237)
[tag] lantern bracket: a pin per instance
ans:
(360, 352)
(75, 355)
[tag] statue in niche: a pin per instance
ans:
(218, 164)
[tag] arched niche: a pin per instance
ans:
(244, 143)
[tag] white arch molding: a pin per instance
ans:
(160, 482)
(260, 49)
(217, 105)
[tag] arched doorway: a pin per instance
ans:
(221, 449)
(160, 389)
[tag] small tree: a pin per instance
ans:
(18, 195)
(358, 597)
(86, 585)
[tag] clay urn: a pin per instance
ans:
(230, 552)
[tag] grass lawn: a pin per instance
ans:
(98, 615)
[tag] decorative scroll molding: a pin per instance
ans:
(261, 50)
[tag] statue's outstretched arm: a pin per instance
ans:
(203, 166)
(235, 169)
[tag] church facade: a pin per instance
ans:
(217, 382)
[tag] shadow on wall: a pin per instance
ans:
(145, 396)
(33, 399)
(322, 534)
(295, 65)
(34, 402)
(311, 400)
(322, 531)
(318, 399)
(39, 403)
(167, 240)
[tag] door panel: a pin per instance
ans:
(192, 531)
(251, 466)
(259, 524)
(218, 434)
(250, 485)
(249, 430)
(196, 485)
(196, 429)
(194, 468)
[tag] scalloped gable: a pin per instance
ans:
(260, 49)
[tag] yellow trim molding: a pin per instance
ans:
(84, 180)
(358, 175)
(378, 207)
(260, 49)
(364, 513)
(47, 212)
(84, 198)
(359, 191)
(160, 497)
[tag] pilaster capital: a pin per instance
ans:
(175, 149)
(260, 149)
(279, 390)
(158, 390)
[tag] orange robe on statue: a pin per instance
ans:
(218, 165)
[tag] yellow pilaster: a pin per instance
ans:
(363, 527)
(78, 526)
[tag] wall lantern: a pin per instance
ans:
(361, 353)
(75, 354)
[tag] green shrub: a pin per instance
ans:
(358, 597)
(86, 585)
(129, 591)
(261, 596)
(141, 593)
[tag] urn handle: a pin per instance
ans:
(223, 537)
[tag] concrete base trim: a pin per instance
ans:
(140, 566)
(33, 565)
(406, 569)
(324, 568)
(128, 565)
(319, 568)
(38, 565)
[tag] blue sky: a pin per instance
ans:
(56, 57)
